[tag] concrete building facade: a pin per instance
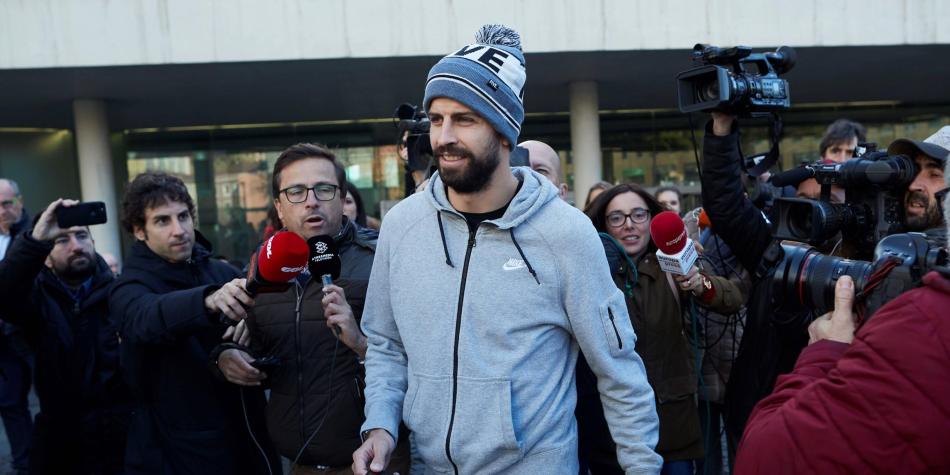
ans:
(94, 91)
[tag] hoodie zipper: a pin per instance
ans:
(455, 356)
(610, 313)
(303, 429)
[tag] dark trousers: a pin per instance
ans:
(712, 440)
(80, 444)
(15, 381)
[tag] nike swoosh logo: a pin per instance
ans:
(513, 264)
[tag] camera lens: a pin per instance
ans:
(709, 91)
(800, 221)
(805, 280)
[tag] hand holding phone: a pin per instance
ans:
(82, 214)
(45, 228)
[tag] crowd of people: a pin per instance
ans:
(488, 326)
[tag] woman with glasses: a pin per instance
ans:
(660, 306)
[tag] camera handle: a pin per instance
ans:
(776, 130)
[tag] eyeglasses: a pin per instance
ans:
(9, 203)
(299, 193)
(637, 216)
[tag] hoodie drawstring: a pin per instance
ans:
(511, 232)
(445, 247)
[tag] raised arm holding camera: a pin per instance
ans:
(54, 286)
(766, 350)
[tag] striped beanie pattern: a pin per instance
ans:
(488, 77)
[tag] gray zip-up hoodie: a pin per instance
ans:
(473, 338)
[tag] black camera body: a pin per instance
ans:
(874, 185)
(414, 120)
(736, 81)
(805, 279)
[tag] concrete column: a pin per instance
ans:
(585, 139)
(96, 175)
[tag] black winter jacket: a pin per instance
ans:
(314, 366)
(186, 421)
(771, 340)
(83, 399)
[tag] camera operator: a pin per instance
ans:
(837, 145)
(870, 401)
(54, 287)
(771, 342)
(921, 208)
(169, 303)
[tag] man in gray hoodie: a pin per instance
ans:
(484, 287)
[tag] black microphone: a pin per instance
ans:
(792, 177)
(324, 263)
(324, 259)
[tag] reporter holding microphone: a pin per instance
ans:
(305, 340)
(658, 303)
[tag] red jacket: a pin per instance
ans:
(879, 405)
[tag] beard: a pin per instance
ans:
(75, 268)
(931, 217)
(477, 172)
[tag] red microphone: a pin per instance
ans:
(282, 258)
(676, 252)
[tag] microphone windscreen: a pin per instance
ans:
(323, 256)
(703, 220)
(668, 232)
(282, 257)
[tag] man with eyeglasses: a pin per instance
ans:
(55, 287)
(169, 304)
(310, 331)
(15, 358)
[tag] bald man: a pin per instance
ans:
(546, 161)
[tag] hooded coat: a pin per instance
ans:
(474, 336)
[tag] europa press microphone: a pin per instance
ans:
(324, 262)
(676, 253)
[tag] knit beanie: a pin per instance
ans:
(487, 77)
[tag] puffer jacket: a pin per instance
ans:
(878, 405)
(314, 366)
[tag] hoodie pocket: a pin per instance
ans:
(483, 431)
(617, 327)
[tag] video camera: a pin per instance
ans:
(735, 80)
(874, 184)
(410, 118)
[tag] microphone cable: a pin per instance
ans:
(247, 422)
